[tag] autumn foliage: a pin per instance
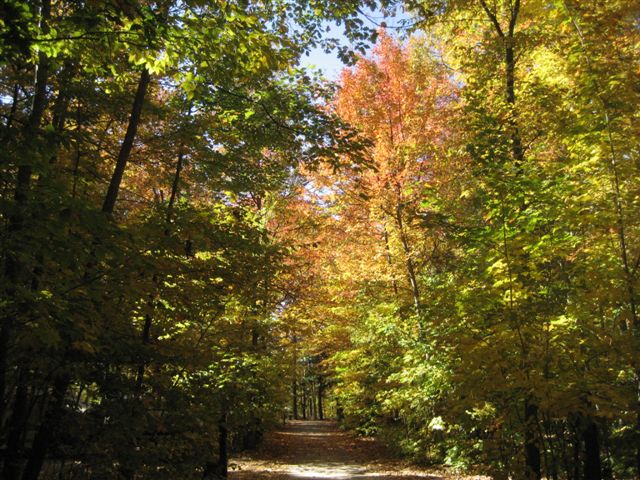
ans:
(199, 237)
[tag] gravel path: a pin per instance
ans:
(318, 450)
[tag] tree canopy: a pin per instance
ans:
(200, 236)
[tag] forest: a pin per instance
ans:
(201, 236)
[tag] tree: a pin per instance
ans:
(116, 316)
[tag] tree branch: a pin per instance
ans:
(492, 16)
(514, 18)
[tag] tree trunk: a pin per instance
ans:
(60, 108)
(175, 186)
(411, 272)
(516, 141)
(294, 341)
(14, 267)
(146, 336)
(339, 412)
(223, 447)
(47, 428)
(394, 284)
(577, 446)
(294, 388)
(531, 449)
(320, 393)
(304, 403)
(127, 143)
(4, 347)
(510, 70)
(638, 448)
(13, 451)
(592, 464)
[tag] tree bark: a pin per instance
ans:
(4, 347)
(127, 144)
(411, 271)
(43, 437)
(394, 284)
(175, 186)
(577, 445)
(146, 336)
(13, 266)
(531, 449)
(592, 463)
(339, 412)
(294, 389)
(638, 448)
(60, 107)
(304, 403)
(13, 451)
(320, 394)
(223, 447)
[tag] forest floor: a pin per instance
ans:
(319, 450)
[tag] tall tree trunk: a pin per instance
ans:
(13, 265)
(146, 333)
(394, 284)
(294, 392)
(339, 411)
(411, 271)
(516, 141)
(223, 447)
(592, 464)
(43, 437)
(175, 186)
(531, 449)
(60, 108)
(304, 403)
(127, 144)
(17, 423)
(4, 347)
(320, 394)
(294, 341)
(112, 196)
(638, 447)
(628, 273)
(577, 444)
(507, 38)
(146, 336)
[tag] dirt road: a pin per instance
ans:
(319, 450)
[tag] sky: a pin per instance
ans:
(329, 63)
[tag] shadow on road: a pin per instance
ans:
(317, 450)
